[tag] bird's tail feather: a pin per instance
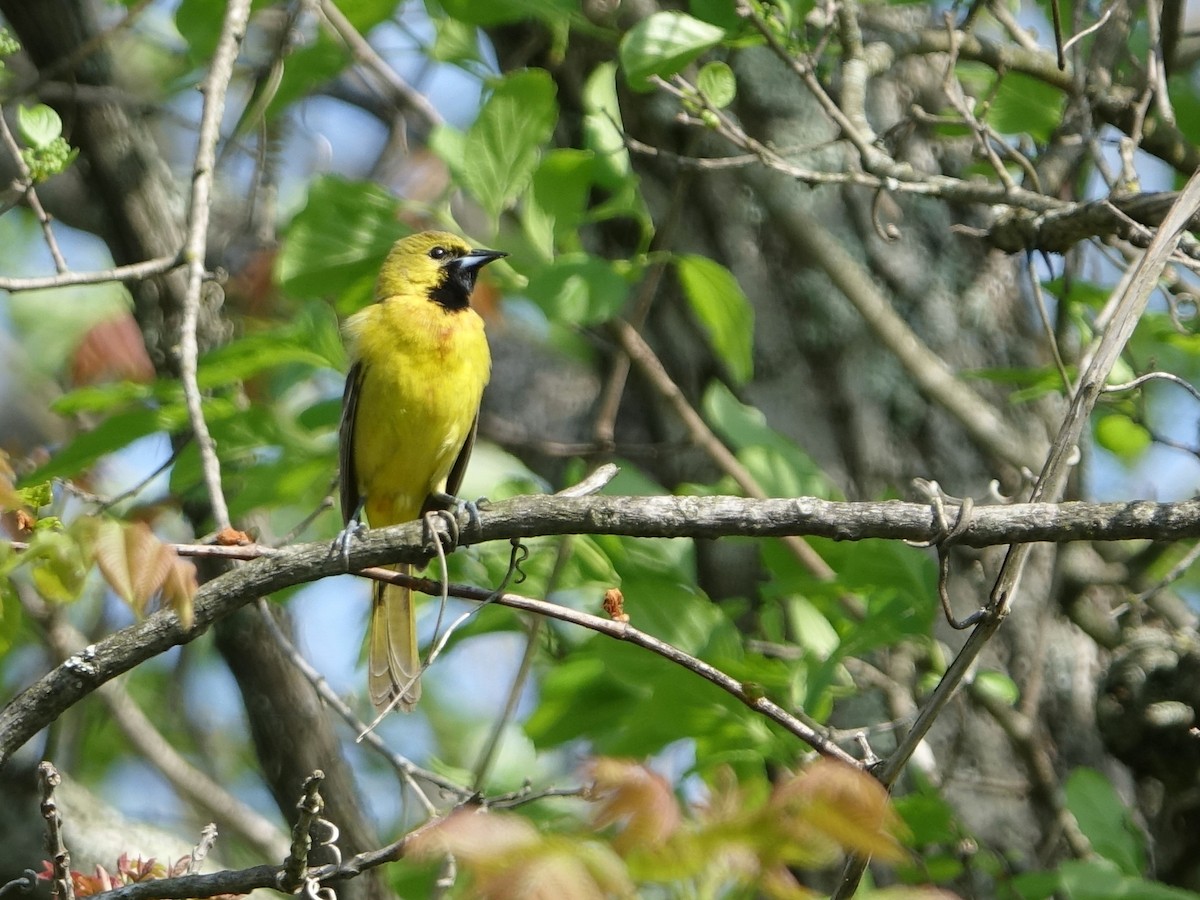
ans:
(393, 661)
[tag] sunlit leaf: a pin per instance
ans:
(133, 561)
(662, 44)
(717, 83)
(578, 288)
(1122, 436)
(115, 432)
(39, 125)
(502, 147)
(1105, 820)
(1026, 105)
(557, 203)
(338, 241)
(179, 589)
(847, 805)
(722, 308)
(498, 12)
(507, 858)
(998, 686)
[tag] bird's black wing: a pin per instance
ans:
(349, 490)
(454, 479)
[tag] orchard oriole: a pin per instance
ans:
(419, 363)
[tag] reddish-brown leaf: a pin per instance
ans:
(637, 799)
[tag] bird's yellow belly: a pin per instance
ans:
(417, 404)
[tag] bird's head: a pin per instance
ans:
(441, 265)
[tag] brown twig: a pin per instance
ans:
(623, 631)
(132, 272)
(233, 30)
(31, 197)
(652, 368)
(63, 888)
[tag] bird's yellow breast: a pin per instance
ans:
(424, 368)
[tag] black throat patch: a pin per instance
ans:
(454, 288)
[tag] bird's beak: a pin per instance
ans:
(477, 259)
(463, 269)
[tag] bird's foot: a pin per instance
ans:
(447, 507)
(355, 529)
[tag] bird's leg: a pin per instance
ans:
(354, 529)
(433, 536)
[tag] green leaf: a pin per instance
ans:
(929, 818)
(499, 12)
(578, 289)
(602, 124)
(663, 44)
(781, 468)
(1105, 821)
(337, 243)
(450, 145)
(39, 125)
(557, 204)
(306, 69)
(1098, 880)
(456, 42)
(721, 13)
(812, 629)
(998, 686)
(717, 83)
(309, 340)
(502, 147)
(1035, 885)
(612, 169)
(1025, 105)
(97, 398)
(199, 23)
(718, 302)
(1122, 436)
(112, 434)
(366, 14)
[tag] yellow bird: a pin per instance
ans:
(419, 364)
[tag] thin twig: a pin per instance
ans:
(652, 368)
(402, 94)
(1153, 376)
(233, 30)
(62, 888)
(31, 197)
(404, 767)
(143, 735)
(534, 629)
(131, 272)
(1093, 28)
(1039, 298)
(623, 631)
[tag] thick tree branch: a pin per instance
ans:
(524, 517)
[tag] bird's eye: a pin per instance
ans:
(438, 253)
